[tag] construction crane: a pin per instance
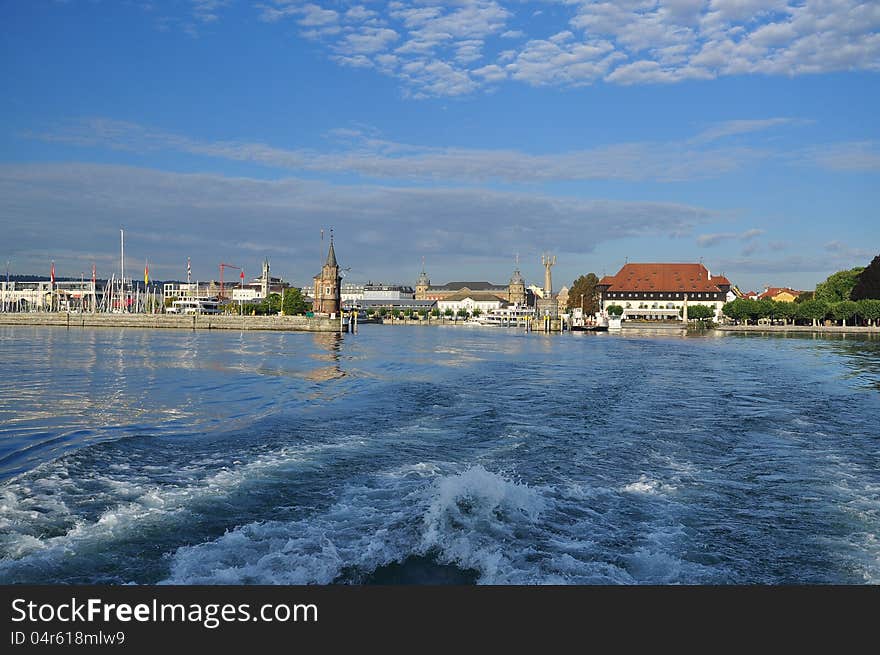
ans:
(222, 268)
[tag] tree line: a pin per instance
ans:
(851, 297)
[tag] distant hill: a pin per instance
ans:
(45, 278)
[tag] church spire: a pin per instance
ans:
(331, 254)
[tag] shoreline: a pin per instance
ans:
(170, 321)
(824, 329)
(326, 324)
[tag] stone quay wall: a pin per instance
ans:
(180, 322)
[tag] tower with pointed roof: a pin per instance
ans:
(516, 289)
(422, 284)
(328, 285)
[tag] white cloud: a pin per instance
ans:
(376, 158)
(707, 240)
(853, 156)
(732, 128)
(211, 216)
(642, 41)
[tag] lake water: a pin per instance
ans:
(431, 455)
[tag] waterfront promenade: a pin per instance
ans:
(193, 321)
(825, 329)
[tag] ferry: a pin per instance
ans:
(194, 306)
(507, 316)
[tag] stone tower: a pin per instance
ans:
(328, 285)
(264, 279)
(422, 284)
(516, 289)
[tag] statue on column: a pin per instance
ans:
(548, 263)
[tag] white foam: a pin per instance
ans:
(646, 485)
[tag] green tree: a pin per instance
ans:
(273, 304)
(423, 313)
(700, 312)
(449, 312)
(462, 313)
(395, 313)
(838, 286)
(585, 285)
(868, 283)
(736, 309)
(805, 296)
(615, 310)
(787, 311)
(435, 312)
(843, 311)
(382, 312)
(294, 303)
(812, 310)
(869, 309)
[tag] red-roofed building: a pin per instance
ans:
(660, 291)
(780, 294)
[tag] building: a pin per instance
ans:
(562, 298)
(779, 294)
(350, 293)
(662, 291)
(17, 296)
(328, 285)
(516, 289)
(373, 291)
(468, 301)
(514, 292)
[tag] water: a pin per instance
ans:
(437, 455)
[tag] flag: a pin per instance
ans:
(52, 273)
(146, 274)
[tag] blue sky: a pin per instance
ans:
(741, 132)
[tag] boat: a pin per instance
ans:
(194, 306)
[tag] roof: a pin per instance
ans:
(664, 277)
(331, 256)
(473, 286)
(478, 296)
(772, 292)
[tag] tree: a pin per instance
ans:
(615, 310)
(868, 283)
(435, 312)
(869, 309)
(786, 311)
(812, 310)
(843, 311)
(462, 312)
(805, 296)
(395, 313)
(586, 285)
(423, 313)
(700, 312)
(477, 312)
(736, 309)
(449, 312)
(294, 303)
(838, 286)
